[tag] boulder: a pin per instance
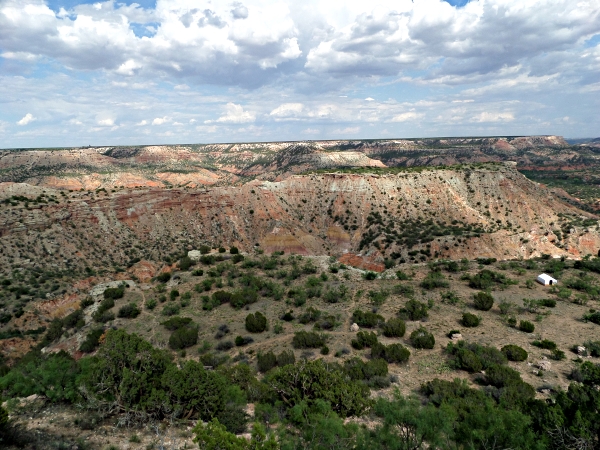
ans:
(354, 328)
(194, 255)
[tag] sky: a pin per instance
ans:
(78, 72)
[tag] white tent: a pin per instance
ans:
(546, 280)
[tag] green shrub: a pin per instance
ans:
(483, 301)
(370, 275)
(256, 323)
(514, 353)
(486, 261)
(402, 276)
(92, 340)
(378, 297)
(548, 302)
(266, 361)
(220, 297)
(164, 277)
(114, 293)
(234, 250)
(129, 311)
(173, 294)
(557, 355)
(593, 347)
(473, 357)
(324, 350)
(421, 338)
(367, 319)
(184, 337)
(243, 297)
(404, 290)
(526, 326)
(286, 357)
(364, 339)
(151, 303)
(357, 369)
(393, 353)
(486, 279)
(470, 320)
(501, 376)
(545, 344)
(313, 383)
(185, 263)
(171, 309)
(450, 297)
(197, 272)
(434, 280)
(394, 327)
(241, 341)
(174, 323)
(310, 315)
(593, 317)
(308, 339)
(414, 310)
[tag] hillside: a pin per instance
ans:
(412, 242)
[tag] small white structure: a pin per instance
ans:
(546, 280)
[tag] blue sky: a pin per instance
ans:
(189, 71)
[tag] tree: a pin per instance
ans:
(311, 381)
(256, 323)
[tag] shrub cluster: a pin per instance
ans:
(364, 339)
(393, 353)
(367, 319)
(394, 327)
(526, 326)
(357, 369)
(129, 311)
(514, 352)
(267, 361)
(483, 301)
(486, 279)
(103, 314)
(474, 357)
(114, 293)
(434, 280)
(308, 339)
(184, 332)
(414, 310)
(256, 323)
(421, 338)
(545, 344)
(470, 320)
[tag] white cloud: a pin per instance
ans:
(347, 130)
(234, 114)
(494, 117)
(287, 110)
(407, 116)
(160, 120)
(291, 65)
(106, 122)
(28, 118)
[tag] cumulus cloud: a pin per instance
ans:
(239, 11)
(160, 120)
(404, 117)
(234, 114)
(287, 110)
(106, 122)
(297, 66)
(28, 118)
